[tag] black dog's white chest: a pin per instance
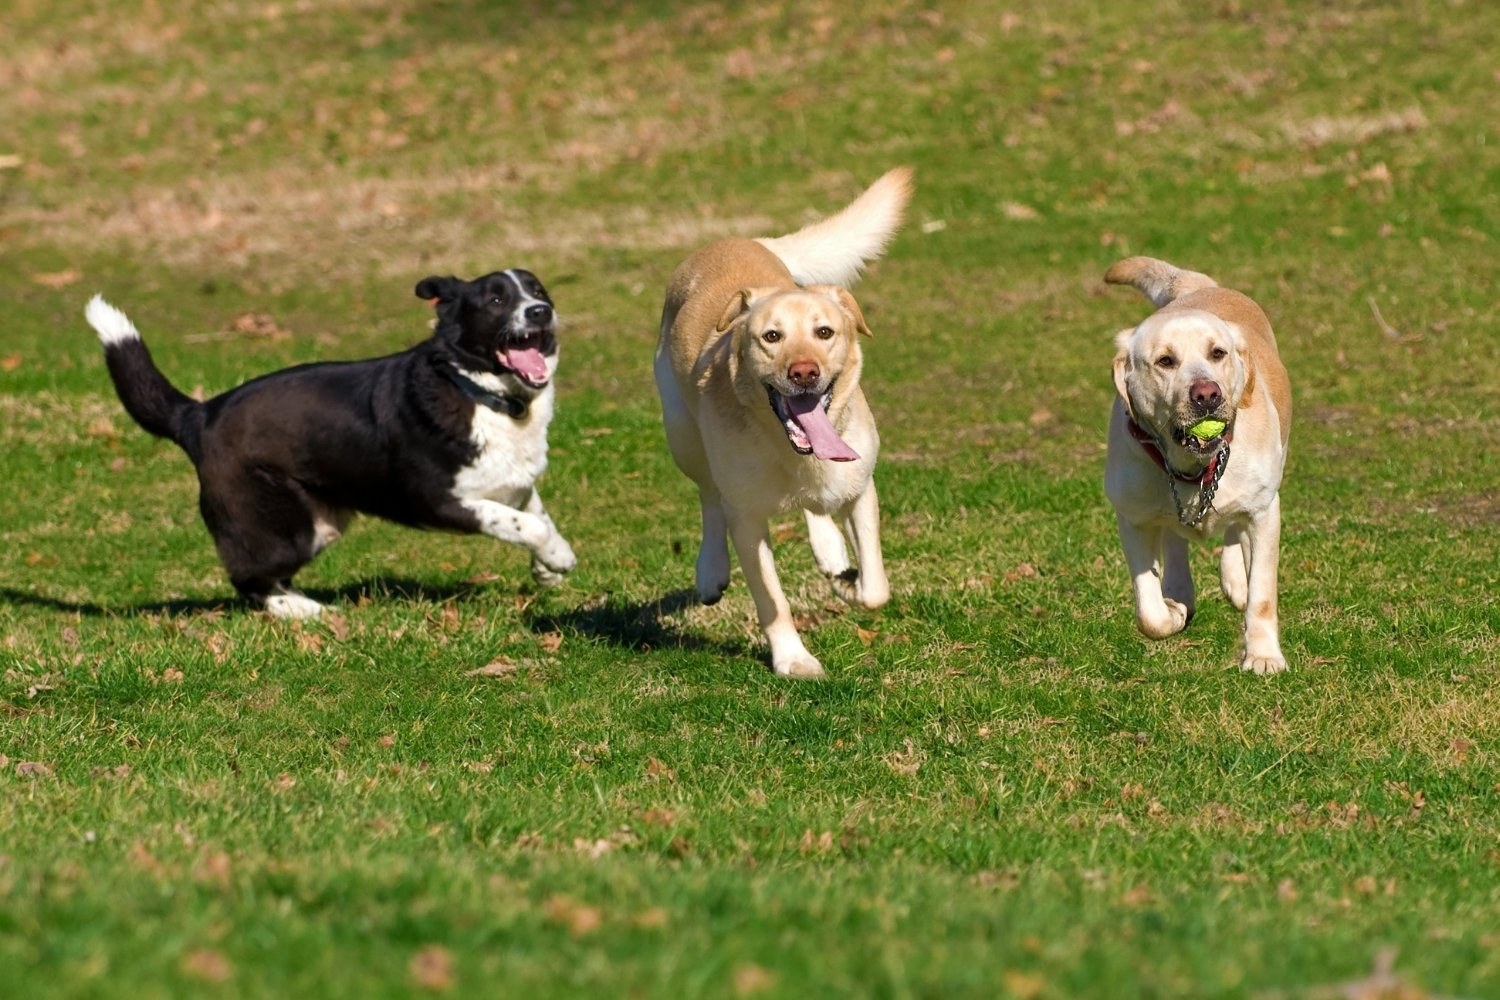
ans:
(510, 453)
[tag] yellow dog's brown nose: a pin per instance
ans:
(803, 374)
(1205, 395)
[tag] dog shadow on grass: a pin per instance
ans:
(637, 625)
(375, 589)
(633, 625)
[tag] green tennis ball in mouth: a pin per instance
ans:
(1207, 429)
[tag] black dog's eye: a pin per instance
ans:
(497, 300)
(1166, 361)
(823, 332)
(771, 336)
(1218, 354)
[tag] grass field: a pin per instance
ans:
(1002, 789)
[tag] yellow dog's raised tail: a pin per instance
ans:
(834, 250)
(1156, 279)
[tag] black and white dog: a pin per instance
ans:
(450, 434)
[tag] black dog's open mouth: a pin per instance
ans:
(527, 357)
(804, 417)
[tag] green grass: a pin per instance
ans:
(1002, 790)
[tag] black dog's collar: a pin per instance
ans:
(512, 406)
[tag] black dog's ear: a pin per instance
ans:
(437, 288)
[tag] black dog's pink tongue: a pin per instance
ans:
(808, 413)
(527, 362)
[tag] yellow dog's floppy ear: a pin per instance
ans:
(740, 304)
(846, 302)
(1248, 393)
(1122, 367)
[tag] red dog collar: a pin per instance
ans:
(1147, 441)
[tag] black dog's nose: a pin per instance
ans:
(1205, 395)
(540, 314)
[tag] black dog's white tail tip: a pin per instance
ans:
(113, 326)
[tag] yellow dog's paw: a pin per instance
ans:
(804, 667)
(1263, 664)
(1169, 618)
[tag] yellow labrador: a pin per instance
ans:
(1206, 352)
(758, 370)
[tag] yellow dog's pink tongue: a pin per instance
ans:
(808, 413)
(527, 362)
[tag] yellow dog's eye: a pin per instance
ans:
(824, 332)
(1166, 361)
(1218, 354)
(771, 336)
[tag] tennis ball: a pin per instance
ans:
(1207, 429)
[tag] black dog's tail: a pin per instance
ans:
(149, 398)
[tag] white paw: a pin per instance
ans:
(1171, 617)
(556, 557)
(804, 666)
(846, 585)
(1262, 664)
(850, 586)
(545, 577)
(293, 606)
(1236, 593)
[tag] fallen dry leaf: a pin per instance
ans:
(496, 668)
(214, 868)
(750, 979)
(593, 849)
(259, 325)
(32, 769)
(206, 964)
(1023, 571)
(10, 362)
(338, 625)
(142, 858)
(1024, 985)
(907, 761)
(990, 879)
(431, 968)
(650, 919)
(57, 279)
(812, 843)
(580, 920)
(550, 641)
(739, 64)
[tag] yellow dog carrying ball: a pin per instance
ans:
(1207, 429)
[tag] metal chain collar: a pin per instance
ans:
(1191, 515)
